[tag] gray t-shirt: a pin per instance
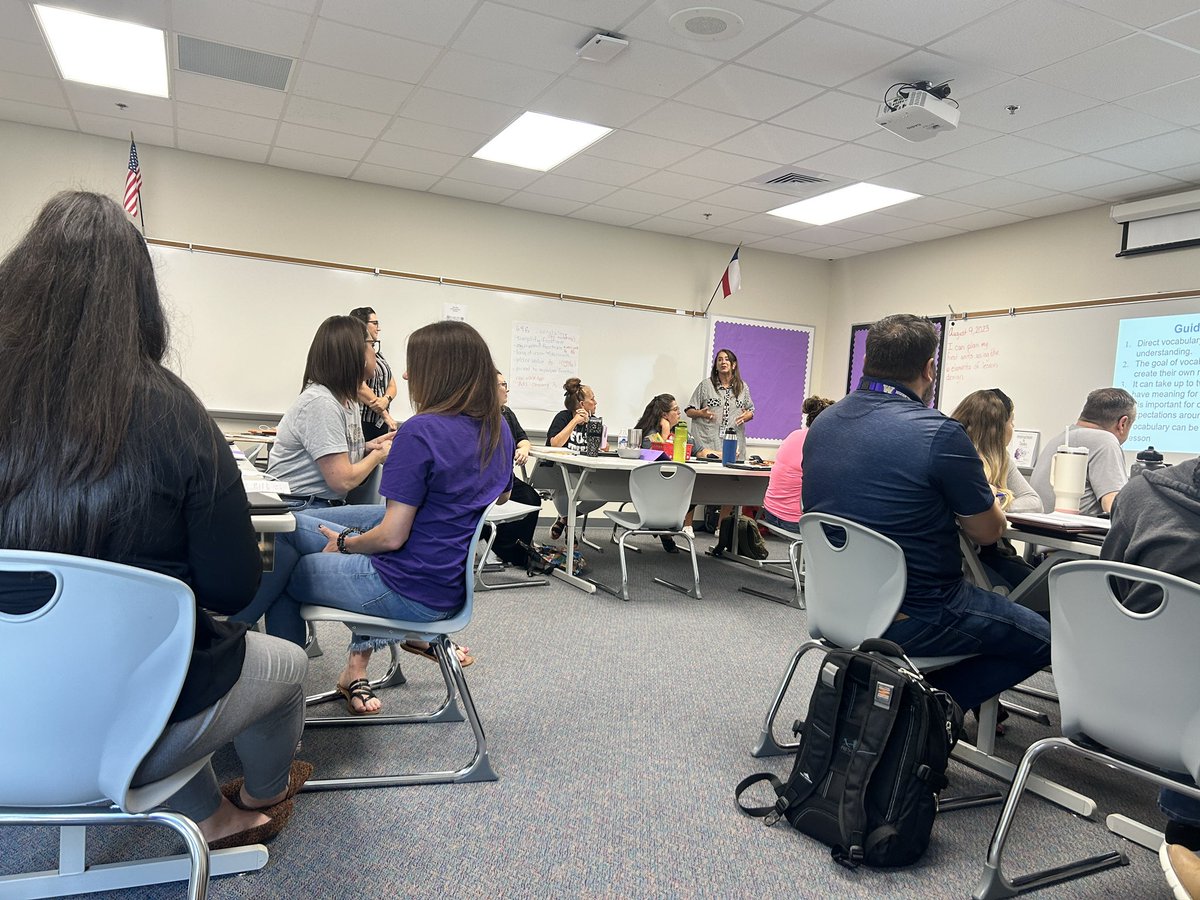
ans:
(317, 425)
(1105, 469)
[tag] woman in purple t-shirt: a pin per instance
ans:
(406, 560)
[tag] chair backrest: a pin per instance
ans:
(367, 493)
(1127, 680)
(462, 618)
(90, 678)
(662, 494)
(854, 579)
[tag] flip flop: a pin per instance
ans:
(358, 689)
(300, 772)
(464, 658)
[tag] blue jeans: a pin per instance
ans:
(303, 573)
(770, 517)
(1010, 642)
(1179, 807)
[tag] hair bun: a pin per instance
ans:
(572, 385)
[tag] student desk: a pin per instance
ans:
(606, 478)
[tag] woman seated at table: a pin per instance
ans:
(988, 417)
(407, 560)
(781, 505)
(319, 448)
(657, 424)
(512, 538)
(569, 429)
(139, 474)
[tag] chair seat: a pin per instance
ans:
(511, 511)
(384, 628)
(630, 520)
(933, 663)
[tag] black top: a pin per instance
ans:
(576, 440)
(514, 426)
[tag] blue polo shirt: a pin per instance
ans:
(887, 461)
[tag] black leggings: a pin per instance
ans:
(509, 533)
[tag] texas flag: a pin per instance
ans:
(732, 279)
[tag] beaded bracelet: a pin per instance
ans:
(341, 539)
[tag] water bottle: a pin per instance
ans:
(594, 429)
(1147, 460)
(679, 442)
(622, 443)
(729, 447)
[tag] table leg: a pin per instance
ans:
(572, 483)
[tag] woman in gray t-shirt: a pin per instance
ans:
(319, 449)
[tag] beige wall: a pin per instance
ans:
(1057, 259)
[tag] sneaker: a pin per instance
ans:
(689, 531)
(1182, 868)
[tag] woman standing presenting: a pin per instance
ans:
(719, 402)
(376, 393)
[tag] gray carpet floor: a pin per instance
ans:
(619, 731)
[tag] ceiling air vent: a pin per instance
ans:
(233, 63)
(796, 182)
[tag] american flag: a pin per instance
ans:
(133, 182)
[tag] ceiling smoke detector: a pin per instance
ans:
(706, 23)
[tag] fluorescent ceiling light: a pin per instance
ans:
(537, 141)
(843, 203)
(106, 52)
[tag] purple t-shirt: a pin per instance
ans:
(434, 466)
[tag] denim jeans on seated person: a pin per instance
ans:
(771, 519)
(1010, 642)
(303, 573)
(1179, 807)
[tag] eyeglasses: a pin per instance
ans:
(374, 345)
(504, 384)
(374, 322)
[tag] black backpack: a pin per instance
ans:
(750, 539)
(872, 758)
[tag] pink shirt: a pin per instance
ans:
(783, 490)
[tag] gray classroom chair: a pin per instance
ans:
(661, 493)
(438, 635)
(1127, 689)
(854, 588)
(498, 514)
(123, 642)
(795, 561)
(367, 493)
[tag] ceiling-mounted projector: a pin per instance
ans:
(918, 112)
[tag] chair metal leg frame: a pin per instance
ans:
(74, 876)
(478, 769)
(1036, 692)
(624, 592)
(613, 538)
(311, 647)
(393, 677)
(482, 566)
(994, 884)
(1135, 831)
(583, 538)
(767, 744)
(795, 549)
(1026, 712)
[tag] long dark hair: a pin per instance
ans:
(735, 379)
(451, 372)
(82, 338)
(656, 410)
(813, 407)
(337, 357)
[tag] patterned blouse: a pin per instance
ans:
(378, 384)
(709, 435)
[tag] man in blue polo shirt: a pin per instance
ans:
(882, 458)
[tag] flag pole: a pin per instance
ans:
(718, 287)
(141, 209)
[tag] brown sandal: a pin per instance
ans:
(259, 834)
(299, 773)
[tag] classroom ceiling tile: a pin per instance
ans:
(1030, 34)
(667, 225)
(776, 144)
(119, 127)
(1143, 15)
(640, 201)
(966, 78)
(608, 215)
(36, 114)
(103, 102)
(1004, 156)
(469, 190)
(355, 89)
(822, 53)
(876, 242)
(334, 117)
(1051, 206)
(606, 16)
(926, 178)
(748, 199)
(732, 234)
(1165, 151)
(413, 181)
(643, 149)
(856, 162)
(19, 22)
(555, 206)
(361, 50)
(1098, 128)
(34, 89)
(675, 184)
(221, 93)
(214, 145)
(311, 162)
(935, 210)
(241, 24)
(929, 232)
(417, 20)
(1185, 30)
(1123, 68)
(467, 113)
(843, 117)
(759, 22)
(988, 218)
(321, 141)
(564, 188)
(996, 192)
(431, 136)
(794, 246)
(26, 59)
(487, 79)
(1178, 103)
(706, 214)
(883, 223)
(943, 145)
(412, 159)
(1149, 185)
(586, 101)
(522, 37)
(605, 171)
(690, 124)
(748, 92)
(835, 235)
(647, 68)
(482, 171)
(832, 253)
(1036, 103)
(917, 24)
(728, 168)
(1071, 175)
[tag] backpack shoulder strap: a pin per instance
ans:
(817, 746)
(759, 812)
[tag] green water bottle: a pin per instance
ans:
(679, 441)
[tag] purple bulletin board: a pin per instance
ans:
(775, 361)
(858, 352)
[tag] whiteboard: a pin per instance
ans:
(241, 328)
(1048, 361)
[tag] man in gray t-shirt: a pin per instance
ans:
(1104, 424)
